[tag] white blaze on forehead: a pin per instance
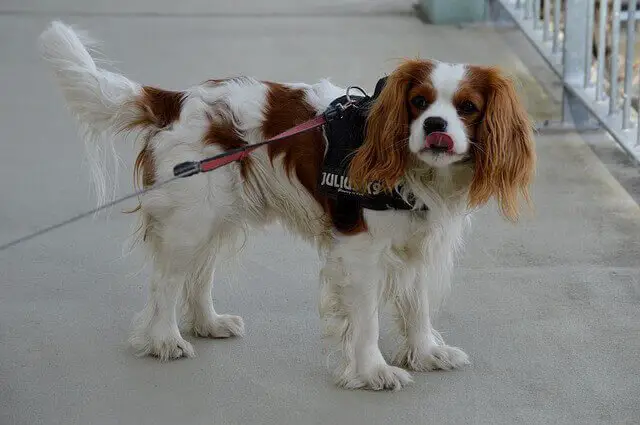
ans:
(446, 78)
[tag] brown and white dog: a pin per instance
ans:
(400, 256)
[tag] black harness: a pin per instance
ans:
(345, 134)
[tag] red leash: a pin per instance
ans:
(187, 169)
(230, 156)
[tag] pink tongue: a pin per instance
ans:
(439, 140)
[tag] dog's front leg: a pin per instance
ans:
(350, 299)
(423, 348)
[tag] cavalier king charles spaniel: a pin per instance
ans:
(454, 136)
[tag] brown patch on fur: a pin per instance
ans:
(383, 156)
(426, 91)
(504, 151)
(303, 153)
(472, 89)
(158, 108)
(144, 172)
(223, 133)
(144, 167)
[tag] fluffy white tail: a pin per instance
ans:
(99, 99)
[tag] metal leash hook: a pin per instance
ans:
(337, 111)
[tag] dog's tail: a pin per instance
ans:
(103, 102)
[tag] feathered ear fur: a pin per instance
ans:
(384, 153)
(505, 157)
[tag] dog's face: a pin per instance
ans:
(444, 110)
(432, 114)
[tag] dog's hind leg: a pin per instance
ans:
(202, 318)
(155, 329)
(183, 244)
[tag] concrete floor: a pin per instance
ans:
(548, 310)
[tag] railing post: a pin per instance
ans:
(591, 5)
(556, 26)
(628, 65)
(615, 49)
(574, 58)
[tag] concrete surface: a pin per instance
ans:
(548, 310)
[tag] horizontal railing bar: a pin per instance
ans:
(611, 123)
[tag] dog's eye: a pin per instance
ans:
(420, 102)
(467, 108)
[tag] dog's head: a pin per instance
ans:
(433, 114)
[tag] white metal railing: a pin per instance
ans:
(580, 40)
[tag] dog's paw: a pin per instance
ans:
(222, 326)
(379, 377)
(434, 357)
(164, 347)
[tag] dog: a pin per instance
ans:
(451, 136)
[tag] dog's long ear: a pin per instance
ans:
(505, 156)
(383, 155)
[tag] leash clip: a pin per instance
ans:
(187, 169)
(336, 112)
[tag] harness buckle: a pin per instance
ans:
(336, 112)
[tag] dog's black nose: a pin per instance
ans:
(433, 124)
